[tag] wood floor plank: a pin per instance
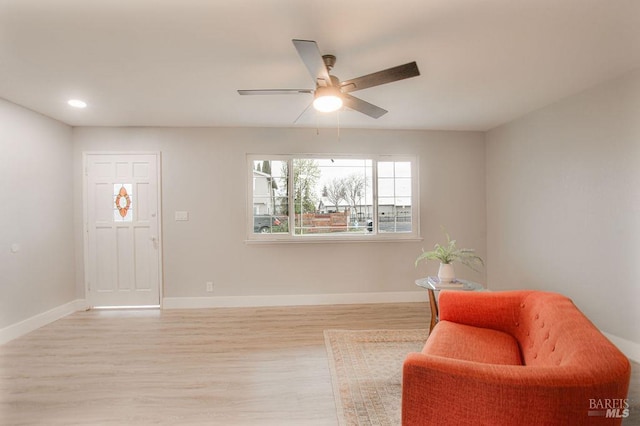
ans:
(231, 366)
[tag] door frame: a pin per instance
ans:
(85, 216)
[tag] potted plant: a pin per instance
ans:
(447, 254)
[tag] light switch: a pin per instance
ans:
(182, 215)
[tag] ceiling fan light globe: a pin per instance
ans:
(328, 103)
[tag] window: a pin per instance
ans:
(332, 197)
(123, 204)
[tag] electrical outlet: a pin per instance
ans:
(209, 285)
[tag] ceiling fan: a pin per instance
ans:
(330, 94)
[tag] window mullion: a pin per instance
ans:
(290, 195)
(374, 177)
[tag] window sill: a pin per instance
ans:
(340, 240)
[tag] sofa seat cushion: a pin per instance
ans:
(464, 342)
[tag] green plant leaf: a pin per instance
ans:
(450, 253)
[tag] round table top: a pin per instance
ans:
(433, 283)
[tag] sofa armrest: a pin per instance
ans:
(496, 310)
(445, 391)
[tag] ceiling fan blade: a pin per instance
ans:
(381, 77)
(310, 55)
(364, 107)
(302, 113)
(274, 91)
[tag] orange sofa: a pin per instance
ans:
(514, 357)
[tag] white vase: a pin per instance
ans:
(446, 274)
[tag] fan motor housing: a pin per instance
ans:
(329, 61)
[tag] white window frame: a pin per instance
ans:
(375, 236)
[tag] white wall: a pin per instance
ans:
(204, 173)
(563, 203)
(37, 214)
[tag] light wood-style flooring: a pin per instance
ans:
(240, 366)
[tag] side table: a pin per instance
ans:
(433, 284)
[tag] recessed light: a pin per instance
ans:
(76, 103)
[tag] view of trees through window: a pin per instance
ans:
(331, 196)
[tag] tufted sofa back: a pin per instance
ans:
(553, 332)
(549, 328)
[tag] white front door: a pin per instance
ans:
(122, 229)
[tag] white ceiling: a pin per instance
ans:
(180, 62)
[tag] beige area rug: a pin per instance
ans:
(366, 371)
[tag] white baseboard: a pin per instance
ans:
(292, 300)
(629, 348)
(30, 324)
